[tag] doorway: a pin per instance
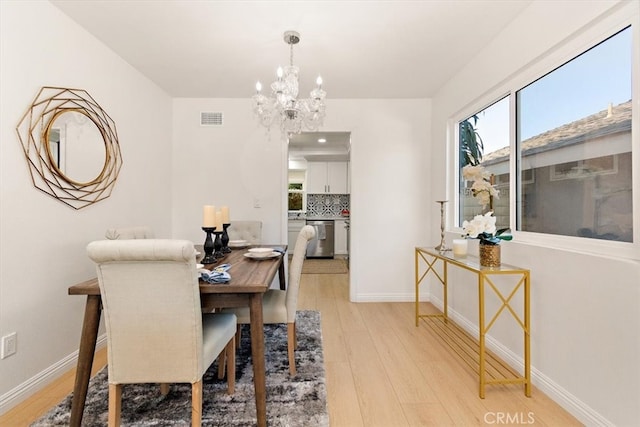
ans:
(318, 187)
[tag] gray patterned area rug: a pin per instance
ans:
(291, 401)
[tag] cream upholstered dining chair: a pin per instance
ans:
(280, 306)
(251, 231)
(127, 233)
(156, 332)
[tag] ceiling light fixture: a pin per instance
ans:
(294, 114)
(322, 140)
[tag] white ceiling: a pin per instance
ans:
(306, 145)
(362, 49)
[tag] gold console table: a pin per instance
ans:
(491, 370)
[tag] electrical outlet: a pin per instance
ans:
(257, 203)
(9, 345)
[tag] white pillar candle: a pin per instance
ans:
(218, 221)
(225, 214)
(459, 247)
(209, 216)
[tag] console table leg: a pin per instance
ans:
(417, 279)
(527, 337)
(445, 290)
(481, 331)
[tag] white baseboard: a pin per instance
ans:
(36, 383)
(562, 397)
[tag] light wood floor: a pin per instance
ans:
(381, 370)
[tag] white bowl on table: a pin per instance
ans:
(261, 252)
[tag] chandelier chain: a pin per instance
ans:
(291, 54)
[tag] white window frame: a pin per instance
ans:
(581, 41)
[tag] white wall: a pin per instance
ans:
(237, 163)
(390, 196)
(42, 240)
(584, 307)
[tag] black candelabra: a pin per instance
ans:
(217, 245)
(209, 257)
(225, 239)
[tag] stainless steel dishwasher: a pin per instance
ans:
(322, 245)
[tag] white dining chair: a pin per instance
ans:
(156, 331)
(251, 231)
(280, 306)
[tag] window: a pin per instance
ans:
(574, 137)
(484, 141)
(295, 197)
(572, 132)
(296, 190)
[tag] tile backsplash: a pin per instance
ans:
(326, 205)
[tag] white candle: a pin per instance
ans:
(225, 214)
(218, 221)
(208, 216)
(459, 247)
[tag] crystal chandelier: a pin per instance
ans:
(294, 114)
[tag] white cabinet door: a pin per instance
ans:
(293, 236)
(316, 177)
(340, 238)
(294, 227)
(337, 177)
(327, 177)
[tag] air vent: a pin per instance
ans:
(210, 119)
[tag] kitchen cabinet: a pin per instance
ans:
(293, 229)
(327, 178)
(340, 237)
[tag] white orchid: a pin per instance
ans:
(483, 191)
(483, 227)
(471, 229)
(481, 187)
(475, 173)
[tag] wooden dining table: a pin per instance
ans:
(250, 279)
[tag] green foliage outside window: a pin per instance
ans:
(471, 146)
(295, 196)
(295, 201)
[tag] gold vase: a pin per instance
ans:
(489, 255)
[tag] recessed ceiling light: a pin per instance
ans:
(322, 140)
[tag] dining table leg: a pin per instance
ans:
(87, 349)
(257, 355)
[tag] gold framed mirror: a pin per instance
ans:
(75, 147)
(71, 146)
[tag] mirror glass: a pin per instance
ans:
(76, 147)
